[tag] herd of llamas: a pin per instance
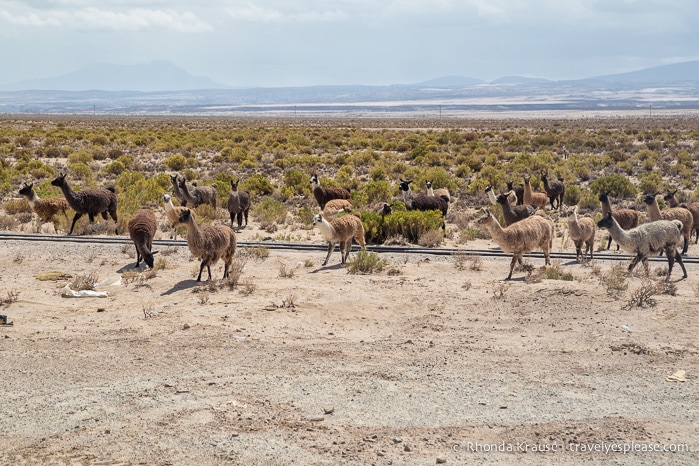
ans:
(527, 227)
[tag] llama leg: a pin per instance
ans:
(246, 217)
(512, 265)
(232, 214)
(75, 219)
(201, 269)
(331, 246)
(670, 260)
(635, 261)
(240, 220)
(208, 269)
(138, 257)
(104, 215)
(678, 258)
(686, 245)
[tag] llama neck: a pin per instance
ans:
(67, 191)
(653, 210)
(672, 202)
(496, 230)
(606, 207)
(430, 191)
(194, 233)
(575, 216)
(325, 229)
(492, 197)
(527, 192)
(408, 196)
(621, 236)
(32, 198)
(169, 206)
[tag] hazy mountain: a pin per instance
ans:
(162, 88)
(145, 77)
(451, 81)
(677, 73)
(519, 80)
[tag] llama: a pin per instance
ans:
(173, 214)
(519, 192)
(646, 239)
(196, 196)
(175, 180)
(442, 192)
(511, 196)
(142, 227)
(323, 195)
(335, 206)
(340, 230)
(514, 214)
(627, 218)
(555, 190)
(520, 238)
(209, 244)
(45, 209)
(238, 205)
(422, 201)
(693, 207)
(673, 213)
(88, 201)
(582, 231)
(532, 197)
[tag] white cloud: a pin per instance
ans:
(256, 13)
(92, 18)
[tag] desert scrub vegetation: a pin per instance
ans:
(275, 158)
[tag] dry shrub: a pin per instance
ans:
(643, 295)
(11, 297)
(259, 253)
(365, 262)
(463, 261)
(84, 282)
(16, 206)
(614, 280)
(285, 271)
(499, 290)
(247, 287)
(8, 222)
(430, 239)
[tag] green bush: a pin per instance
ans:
(297, 181)
(114, 168)
(378, 191)
(175, 162)
(80, 171)
(409, 224)
(651, 182)
(269, 211)
(365, 262)
(614, 185)
(80, 157)
(257, 185)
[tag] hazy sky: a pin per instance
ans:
(307, 42)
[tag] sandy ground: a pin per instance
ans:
(420, 364)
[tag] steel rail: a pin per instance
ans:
(276, 245)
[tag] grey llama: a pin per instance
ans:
(648, 239)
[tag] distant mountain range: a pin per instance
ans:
(162, 88)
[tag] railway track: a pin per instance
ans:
(276, 245)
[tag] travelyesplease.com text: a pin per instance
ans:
(602, 447)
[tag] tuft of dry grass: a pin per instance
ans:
(84, 282)
(285, 271)
(614, 280)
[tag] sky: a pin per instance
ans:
(277, 43)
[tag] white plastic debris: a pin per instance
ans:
(625, 328)
(67, 292)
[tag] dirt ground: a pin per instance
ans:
(423, 363)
